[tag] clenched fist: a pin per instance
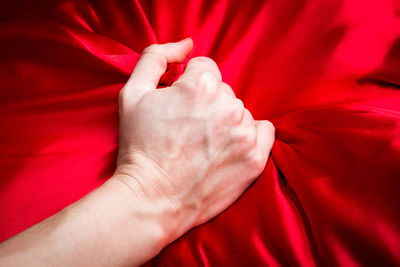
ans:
(192, 148)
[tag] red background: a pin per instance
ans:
(326, 73)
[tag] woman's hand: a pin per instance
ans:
(192, 146)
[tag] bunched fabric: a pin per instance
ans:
(326, 73)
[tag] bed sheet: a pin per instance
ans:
(326, 73)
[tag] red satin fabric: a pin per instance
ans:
(326, 73)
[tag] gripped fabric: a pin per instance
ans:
(326, 73)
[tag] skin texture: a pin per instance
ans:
(186, 153)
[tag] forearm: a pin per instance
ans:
(110, 226)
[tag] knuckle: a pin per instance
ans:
(235, 111)
(239, 109)
(238, 104)
(208, 82)
(199, 65)
(228, 90)
(270, 127)
(246, 138)
(256, 161)
(206, 75)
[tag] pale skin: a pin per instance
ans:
(186, 153)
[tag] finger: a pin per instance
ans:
(199, 65)
(201, 77)
(247, 119)
(227, 90)
(265, 138)
(153, 63)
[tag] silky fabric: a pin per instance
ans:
(326, 73)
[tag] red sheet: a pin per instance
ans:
(326, 73)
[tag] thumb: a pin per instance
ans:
(152, 65)
(265, 137)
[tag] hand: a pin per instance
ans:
(192, 147)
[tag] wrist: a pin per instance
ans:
(159, 216)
